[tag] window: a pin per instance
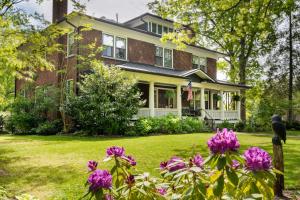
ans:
(120, 48)
(71, 46)
(164, 57)
(168, 58)
(153, 30)
(199, 63)
(159, 56)
(108, 45)
(159, 29)
(114, 46)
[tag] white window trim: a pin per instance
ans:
(68, 46)
(163, 65)
(114, 47)
(162, 28)
(198, 58)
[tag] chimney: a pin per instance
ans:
(60, 9)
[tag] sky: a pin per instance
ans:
(126, 9)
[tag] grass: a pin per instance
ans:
(54, 167)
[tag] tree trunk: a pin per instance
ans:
(242, 77)
(290, 111)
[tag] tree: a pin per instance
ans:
(241, 29)
(106, 102)
(23, 46)
(282, 61)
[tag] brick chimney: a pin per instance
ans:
(60, 9)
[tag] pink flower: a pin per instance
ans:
(162, 191)
(130, 160)
(100, 179)
(115, 151)
(257, 159)
(174, 164)
(109, 197)
(235, 164)
(197, 160)
(223, 141)
(92, 165)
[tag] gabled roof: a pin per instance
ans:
(147, 14)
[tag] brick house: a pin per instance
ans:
(162, 71)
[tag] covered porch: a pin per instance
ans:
(162, 99)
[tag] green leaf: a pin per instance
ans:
(219, 187)
(221, 163)
(232, 176)
(215, 176)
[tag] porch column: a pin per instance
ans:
(211, 100)
(202, 103)
(222, 105)
(238, 106)
(179, 105)
(151, 98)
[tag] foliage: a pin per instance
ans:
(239, 126)
(49, 127)
(29, 113)
(169, 124)
(107, 101)
(1, 123)
(224, 174)
(225, 124)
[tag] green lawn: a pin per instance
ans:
(55, 166)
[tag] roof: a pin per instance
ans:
(123, 25)
(151, 69)
(148, 14)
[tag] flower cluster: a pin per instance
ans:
(257, 159)
(92, 165)
(100, 179)
(116, 151)
(174, 164)
(223, 141)
(197, 160)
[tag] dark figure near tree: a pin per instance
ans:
(279, 130)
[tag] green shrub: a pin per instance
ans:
(168, 124)
(293, 126)
(49, 128)
(27, 114)
(239, 126)
(225, 124)
(1, 123)
(107, 101)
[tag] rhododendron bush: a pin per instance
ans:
(225, 174)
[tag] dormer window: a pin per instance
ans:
(199, 63)
(158, 29)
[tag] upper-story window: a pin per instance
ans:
(164, 57)
(108, 45)
(120, 48)
(114, 46)
(158, 28)
(71, 45)
(199, 63)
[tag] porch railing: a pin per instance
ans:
(215, 114)
(165, 111)
(231, 114)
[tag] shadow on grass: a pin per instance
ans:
(26, 178)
